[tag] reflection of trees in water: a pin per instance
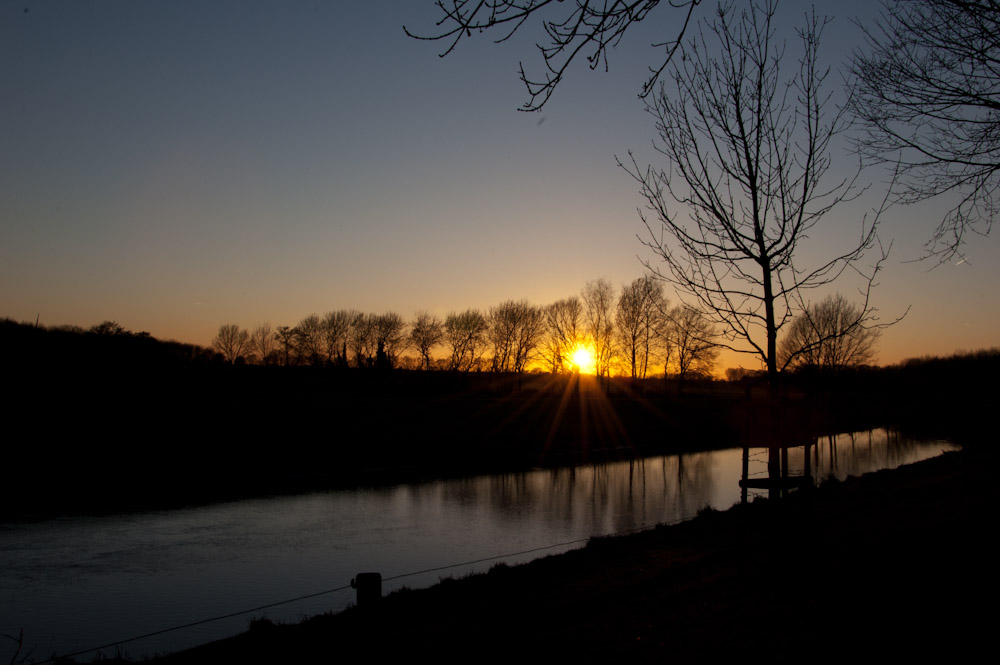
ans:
(510, 494)
(463, 491)
(695, 484)
(855, 453)
(623, 496)
(602, 498)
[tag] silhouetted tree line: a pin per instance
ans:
(644, 334)
(634, 333)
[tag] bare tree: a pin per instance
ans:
(426, 332)
(310, 340)
(638, 322)
(927, 94)
(500, 324)
(831, 335)
(562, 334)
(285, 337)
(690, 336)
(232, 342)
(464, 335)
(337, 335)
(598, 303)
(582, 27)
(389, 335)
(376, 340)
(262, 343)
(513, 329)
(528, 333)
(362, 340)
(747, 145)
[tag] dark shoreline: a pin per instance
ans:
(106, 423)
(163, 449)
(888, 565)
(160, 446)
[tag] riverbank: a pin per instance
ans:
(224, 433)
(119, 423)
(893, 564)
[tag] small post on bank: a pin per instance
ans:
(369, 588)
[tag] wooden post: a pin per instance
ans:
(807, 466)
(369, 587)
(773, 472)
(784, 470)
(746, 473)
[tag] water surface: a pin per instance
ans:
(82, 582)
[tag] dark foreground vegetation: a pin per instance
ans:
(116, 421)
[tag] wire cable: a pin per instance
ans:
(193, 623)
(342, 588)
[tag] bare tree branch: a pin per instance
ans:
(563, 332)
(577, 28)
(513, 330)
(747, 149)
(639, 323)
(426, 332)
(927, 93)
(598, 311)
(232, 342)
(464, 335)
(832, 334)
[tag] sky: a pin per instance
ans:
(175, 166)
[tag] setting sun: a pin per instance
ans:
(583, 358)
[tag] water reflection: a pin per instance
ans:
(77, 583)
(773, 471)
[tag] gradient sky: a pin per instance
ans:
(179, 165)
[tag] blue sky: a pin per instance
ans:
(179, 165)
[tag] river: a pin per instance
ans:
(80, 582)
